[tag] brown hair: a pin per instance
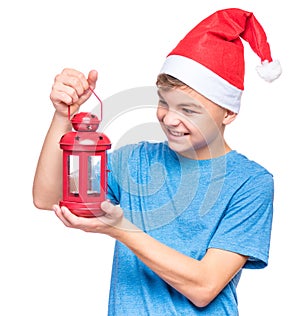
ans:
(167, 82)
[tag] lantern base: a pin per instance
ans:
(81, 209)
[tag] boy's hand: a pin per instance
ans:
(71, 88)
(106, 224)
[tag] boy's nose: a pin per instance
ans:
(171, 118)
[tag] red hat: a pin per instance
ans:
(210, 58)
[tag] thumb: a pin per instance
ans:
(115, 217)
(107, 207)
(92, 78)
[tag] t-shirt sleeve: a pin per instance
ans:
(246, 225)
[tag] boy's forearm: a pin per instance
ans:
(47, 185)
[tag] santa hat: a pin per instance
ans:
(210, 58)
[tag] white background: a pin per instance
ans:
(47, 269)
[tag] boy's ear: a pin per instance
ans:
(229, 117)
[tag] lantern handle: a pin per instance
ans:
(94, 93)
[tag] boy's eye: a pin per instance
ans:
(162, 103)
(188, 111)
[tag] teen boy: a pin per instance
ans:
(191, 212)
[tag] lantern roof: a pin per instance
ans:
(85, 141)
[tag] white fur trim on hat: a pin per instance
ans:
(269, 71)
(204, 81)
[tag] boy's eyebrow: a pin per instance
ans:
(190, 104)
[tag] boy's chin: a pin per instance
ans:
(185, 151)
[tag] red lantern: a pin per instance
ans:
(84, 166)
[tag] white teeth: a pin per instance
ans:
(174, 133)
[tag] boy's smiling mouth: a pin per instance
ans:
(176, 133)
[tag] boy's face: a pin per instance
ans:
(193, 124)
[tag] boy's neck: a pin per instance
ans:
(208, 152)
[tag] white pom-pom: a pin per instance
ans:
(269, 71)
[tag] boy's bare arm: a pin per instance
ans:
(70, 89)
(47, 185)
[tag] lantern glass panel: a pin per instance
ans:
(94, 176)
(73, 175)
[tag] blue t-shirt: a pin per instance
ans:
(190, 206)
